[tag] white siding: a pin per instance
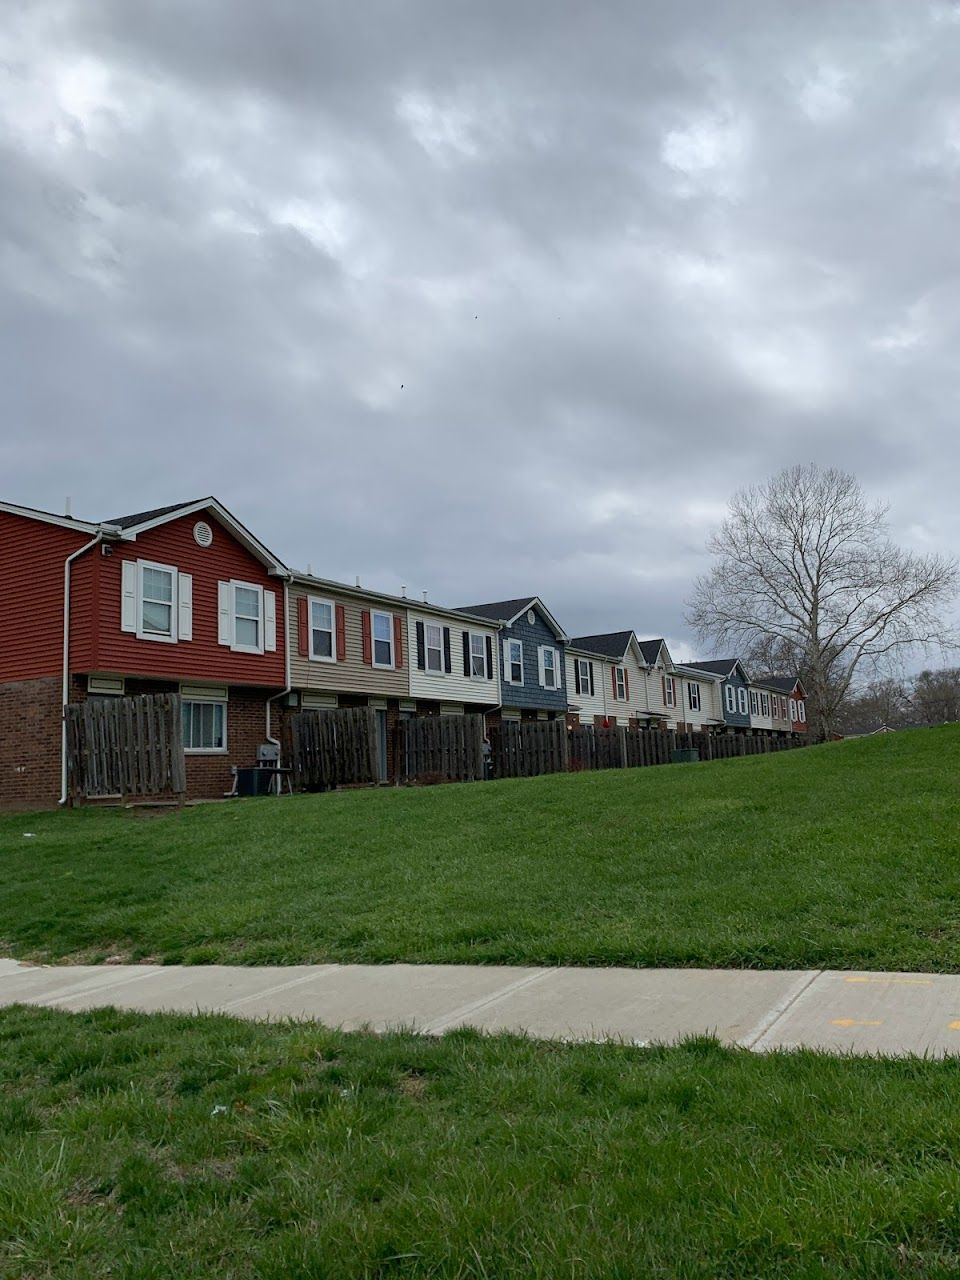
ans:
(757, 719)
(589, 707)
(452, 686)
(638, 704)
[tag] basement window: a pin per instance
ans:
(204, 727)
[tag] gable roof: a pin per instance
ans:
(651, 649)
(508, 611)
(688, 669)
(311, 580)
(145, 517)
(612, 644)
(782, 684)
(141, 521)
(720, 666)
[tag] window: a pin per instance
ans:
(730, 697)
(204, 726)
(156, 602)
(322, 622)
(513, 655)
(620, 677)
(754, 702)
(742, 701)
(478, 656)
(764, 704)
(693, 696)
(585, 674)
(433, 646)
(383, 639)
(793, 709)
(669, 691)
(801, 711)
(548, 667)
(247, 618)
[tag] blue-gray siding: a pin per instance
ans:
(734, 718)
(530, 694)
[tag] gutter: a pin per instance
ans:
(103, 531)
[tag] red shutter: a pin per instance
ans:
(365, 633)
(341, 633)
(303, 628)
(626, 684)
(397, 641)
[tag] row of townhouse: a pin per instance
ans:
(185, 598)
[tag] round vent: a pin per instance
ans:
(531, 617)
(202, 534)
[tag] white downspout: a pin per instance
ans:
(67, 564)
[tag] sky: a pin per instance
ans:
(481, 299)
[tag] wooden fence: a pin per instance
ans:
(126, 747)
(524, 749)
(441, 749)
(334, 748)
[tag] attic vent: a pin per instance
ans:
(531, 617)
(202, 534)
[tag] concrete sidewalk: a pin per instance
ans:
(889, 1013)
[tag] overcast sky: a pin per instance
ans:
(483, 298)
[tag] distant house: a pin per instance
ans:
(663, 692)
(532, 657)
(734, 689)
(607, 681)
(791, 688)
(699, 694)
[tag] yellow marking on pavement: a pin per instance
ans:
(900, 982)
(858, 1022)
(955, 1026)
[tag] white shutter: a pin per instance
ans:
(128, 596)
(270, 621)
(540, 666)
(225, 611)
(506, 662)
(185, 606)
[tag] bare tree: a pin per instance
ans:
(936, 696)
(807, 579)
(883, 703)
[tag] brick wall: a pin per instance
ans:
(30, 729)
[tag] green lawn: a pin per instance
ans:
(846, 855)
(168, 1148)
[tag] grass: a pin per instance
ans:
(168, 1148)
(844, 856)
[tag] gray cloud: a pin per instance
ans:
(622, 259)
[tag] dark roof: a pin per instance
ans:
(613, 644)
(499, 610)
(716, 666)
(650, 650)
(141, 517)
(783, 684)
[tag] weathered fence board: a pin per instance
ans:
(126, 747)
(441, 748)
(334, 748)
(523, 749)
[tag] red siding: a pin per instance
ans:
(201, 658)
(31, 591)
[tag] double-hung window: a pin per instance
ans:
(156, 601)
(478, 656)
(247, 618)
(693, 696)
(669, 691)
(513, 652)
(433, 646)
(585, 672)
(322, 630)
(754, 703)
(730, 695)
(548, 667)
(801, 711)
(204, 727)
(620, 676)
(742, 701)
(764, 704)
(383, 639)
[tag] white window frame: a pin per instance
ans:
(693, 695)
(801, 711)
(743, 701)
(730, 698)
(206, 702)
(427, 647)
(794, 713)
(583, 670)
(754, 702)
(391, 640)
(474, 655)
(670, 692)
(620, 675)
(319, 657)
(554, 669)
(246, 586)
(174, 603)
(765, 705)
(511, 662)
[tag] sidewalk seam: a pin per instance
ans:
(436, 1025)
(781, 1008)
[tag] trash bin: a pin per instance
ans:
(254, 782)
(686, 755)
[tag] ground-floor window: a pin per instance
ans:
(204, 726)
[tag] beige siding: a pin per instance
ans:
(710, 710)
(597, 705)
(653, 687)
(757, 719)
(452, 686)
(638, 705)
(352, 674)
